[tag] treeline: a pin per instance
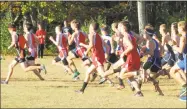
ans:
(54, 12)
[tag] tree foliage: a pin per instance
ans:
(54, 12)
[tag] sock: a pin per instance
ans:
(75, 70)
(108, 66)
(184, 86)
(84, 86)
(121, 82)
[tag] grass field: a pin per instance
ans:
(25, 90)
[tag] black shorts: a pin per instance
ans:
(153, 64)
(75, 54)
(72, 46)
(57, 59)
(64, 61)
(30, 58)
(84, 59)
(20, 60)
(113, 58)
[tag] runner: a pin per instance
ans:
(78, 37)
(168, 59)
(153, 63)
(178, 70)
(98, 57)
(61, 43)
(18, 42)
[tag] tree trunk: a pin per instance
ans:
(141, 15)
(33, 17)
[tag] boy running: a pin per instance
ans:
(19, 43)
(98, 57)
(178, 70)
(78, 37)
(61, 43)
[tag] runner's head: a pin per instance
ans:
(104, 29)
(162, 28)
(174, 28)
(58, 29)
(27, 27)
(182, 26)
(93, 27)
(124, 26)
(148, 34)
(11, 28)
(149, 26)
(75, 24)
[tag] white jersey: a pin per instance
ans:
(14, 37)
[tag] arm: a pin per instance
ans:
(139, 39)
(13, 41)
(163, 40)
(55, 42)
(150, 50)
(71, 38)
(84, 45)
(181, 47)
(129, 46)
(162, 44)
(26, 39)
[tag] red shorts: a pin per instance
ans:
(132, 63)
(79, 52)
(96, 61)
(63, 53)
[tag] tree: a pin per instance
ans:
(141, 15)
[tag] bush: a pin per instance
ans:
(5, 36)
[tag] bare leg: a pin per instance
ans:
(38, 74)
(119, 63)
(134, 84)
(31, 68)
(11, 67)
(35, 71)
(177, 75)
(67, 68)
(152, 78)
(183, 74)
(70, 61)
(87, 78)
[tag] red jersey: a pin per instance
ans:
(32, 45)
(21, 41)
(62, 47)
(98, 55)
(64, 42)
(41, 33)
(81, 38)
(133, 59)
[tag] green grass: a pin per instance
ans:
(25, 90)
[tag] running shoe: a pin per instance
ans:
(4, 82)
(43, 68)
